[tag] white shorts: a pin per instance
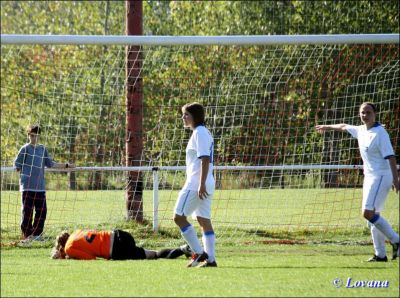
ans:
(189, 203)
(375, 191)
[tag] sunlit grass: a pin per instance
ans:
(316, 213)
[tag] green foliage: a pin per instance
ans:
(75, 95)
(62, 17)
(270, 17)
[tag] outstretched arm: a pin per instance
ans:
(78, 254)
(50, 163)
(335, 127)
(59, 165)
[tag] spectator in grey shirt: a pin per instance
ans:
(31, 160)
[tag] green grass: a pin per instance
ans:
(236, 214)
(328, 238)
(251, 269)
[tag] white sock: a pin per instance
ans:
(190, 235)
(209, 245)
(382, 225)
(379, 241)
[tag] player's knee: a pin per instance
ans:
(368, 214)
(179, 220)
(205, 224)
(176, 219)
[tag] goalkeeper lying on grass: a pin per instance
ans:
(114, 245)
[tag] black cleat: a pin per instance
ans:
(375, 258)
(396, 250)
(207, 264)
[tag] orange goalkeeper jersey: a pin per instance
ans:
(88, 244)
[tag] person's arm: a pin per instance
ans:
(335, 127)
(395, 173)
(59, 165)
(205, 165)
(18, 162)
(50, 163)
(73, 253)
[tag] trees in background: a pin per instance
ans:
(79, 99)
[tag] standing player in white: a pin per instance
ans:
(380, 172)
(196, 195)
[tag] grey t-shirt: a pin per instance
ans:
(31, 161)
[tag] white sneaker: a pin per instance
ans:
(38, 238)
(27, 241)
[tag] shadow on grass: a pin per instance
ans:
(300, 267)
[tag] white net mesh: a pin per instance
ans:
(262, 103)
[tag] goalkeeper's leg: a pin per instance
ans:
(168, 253)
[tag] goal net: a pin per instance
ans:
(263, 96)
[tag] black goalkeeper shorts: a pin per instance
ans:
(124, 247)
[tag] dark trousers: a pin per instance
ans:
(33, 200)
(124, 247)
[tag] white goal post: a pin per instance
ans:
(263, 96)
(201, 40)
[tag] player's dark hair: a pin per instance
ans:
(33, 128)
(372, 105)
(59, 245)
(197, 111)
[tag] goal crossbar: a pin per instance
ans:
(201, 40)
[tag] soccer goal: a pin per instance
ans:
(111, 105)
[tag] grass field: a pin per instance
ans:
(251, 225)
(236, 214)
(244, 270)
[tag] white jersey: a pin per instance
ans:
(375, 148)
(200, 144)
